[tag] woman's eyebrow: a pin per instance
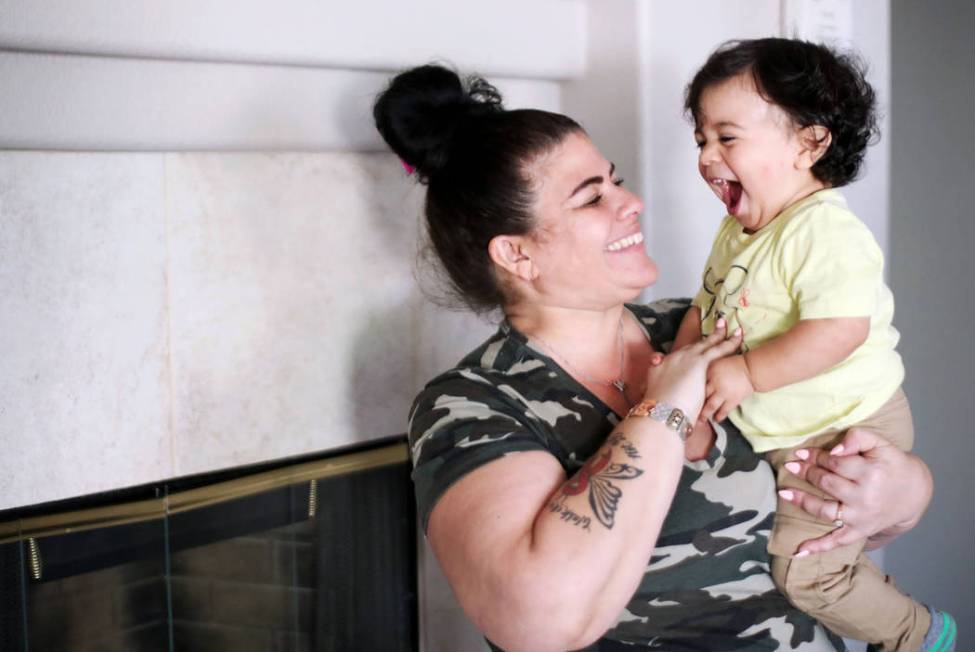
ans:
(592, 180)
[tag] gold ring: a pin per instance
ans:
(838, 521)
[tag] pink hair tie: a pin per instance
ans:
(406, 166)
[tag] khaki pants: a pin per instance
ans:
(842, 588)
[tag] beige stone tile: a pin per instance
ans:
(291, 288)
(84, 401)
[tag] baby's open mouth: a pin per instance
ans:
(729, 192)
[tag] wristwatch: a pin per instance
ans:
(672, 417)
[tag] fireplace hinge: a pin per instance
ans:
(34, 558)
(312, 498)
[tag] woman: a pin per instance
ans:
(557, 458)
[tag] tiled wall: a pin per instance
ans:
(168, 314)
(111, 610)
(250, 593)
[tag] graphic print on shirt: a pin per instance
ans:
(728, 297)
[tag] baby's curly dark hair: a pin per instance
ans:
(813, 84)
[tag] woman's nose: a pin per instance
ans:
(632, 205)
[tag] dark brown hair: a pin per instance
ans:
(472, 154)
(813, 84)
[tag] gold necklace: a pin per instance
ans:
(618, 383)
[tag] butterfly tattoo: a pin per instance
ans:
(595, 476)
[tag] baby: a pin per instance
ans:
(780, 124)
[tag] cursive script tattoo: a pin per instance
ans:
(567, 515)
(595, 476)
(619, 439)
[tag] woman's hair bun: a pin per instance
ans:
(421, 111)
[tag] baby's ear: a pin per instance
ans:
(814, 140)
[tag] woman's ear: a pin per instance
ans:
(510, 253)
(814, 140)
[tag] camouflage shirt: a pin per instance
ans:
(707, 585)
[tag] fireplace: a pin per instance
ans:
(318, 553)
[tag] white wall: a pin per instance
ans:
(641, 56)
(255, 75)
(99, 103)
(544, 42)
(931, 236)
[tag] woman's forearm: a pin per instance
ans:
(605, 520)
(562, 583)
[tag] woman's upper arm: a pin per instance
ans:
(481, 532)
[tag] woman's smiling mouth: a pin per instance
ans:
(625, 242)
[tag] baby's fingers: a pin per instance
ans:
(725, 410)
(711, 405)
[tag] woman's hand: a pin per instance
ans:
(679, 379)
(883, 491)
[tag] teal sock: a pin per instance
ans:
(941, 634)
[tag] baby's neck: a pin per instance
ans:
(810, 186)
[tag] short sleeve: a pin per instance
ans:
(458, 424)
(832, 264)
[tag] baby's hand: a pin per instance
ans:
(728, 385)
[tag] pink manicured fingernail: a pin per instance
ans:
(836, 449)
(802, 454)
(786, 494)
(793, 467)
(801, 553)
(737, 332)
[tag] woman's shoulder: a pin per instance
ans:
(501, 360)
(498, 400)
(498, 386)
(661, 319)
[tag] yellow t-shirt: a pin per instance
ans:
(814, 260)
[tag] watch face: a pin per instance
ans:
(676, 419)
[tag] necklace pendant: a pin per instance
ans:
(620, 385)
